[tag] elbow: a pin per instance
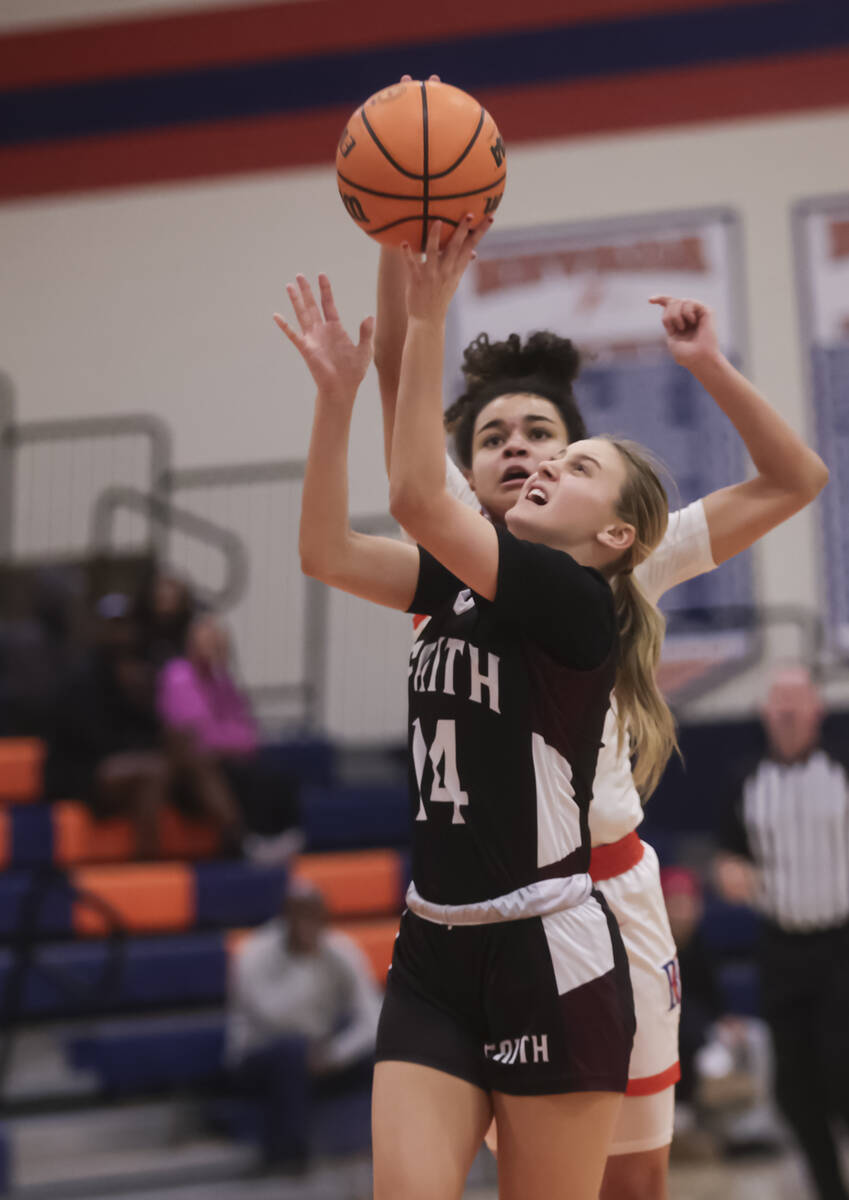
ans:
(819, 477)
(407, 505)
(314, 563)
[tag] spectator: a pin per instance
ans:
(107, 747)
(35, 651)
(199, 696)
(785, 848)
(164, 609)
(302, 1014)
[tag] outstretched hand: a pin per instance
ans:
(690, 330)
(337, 364)
(431, 283)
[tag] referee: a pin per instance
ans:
(784, 847)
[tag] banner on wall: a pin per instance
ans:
(592, 282)
(822, 260)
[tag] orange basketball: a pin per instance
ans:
(416, 153)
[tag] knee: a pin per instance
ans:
(635, 1177)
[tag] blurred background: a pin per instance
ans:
(166, 166)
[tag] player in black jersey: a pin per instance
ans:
(509, 990)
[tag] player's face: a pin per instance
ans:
(513, 434)
(570, 503)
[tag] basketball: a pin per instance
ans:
(418, 152)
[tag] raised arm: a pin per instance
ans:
(379, 569)
(461, 539)
(389, 334)
(789, 473)
(390, 330)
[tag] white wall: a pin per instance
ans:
(160, 299)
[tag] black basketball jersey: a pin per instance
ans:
(507, 704)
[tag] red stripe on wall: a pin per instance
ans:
(264, 31)
(524, 114)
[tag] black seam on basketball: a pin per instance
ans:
(404, 220)
(425, 167)
(383, 150)
(433, 196)
(466, 152)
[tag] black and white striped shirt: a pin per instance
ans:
(792, 821)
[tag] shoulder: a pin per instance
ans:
(537, 558)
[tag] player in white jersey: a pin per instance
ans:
(520, 411)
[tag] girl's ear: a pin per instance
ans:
(617, 537)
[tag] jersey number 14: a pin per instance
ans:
(442, 752)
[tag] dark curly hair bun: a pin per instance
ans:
(544, 365)
(544, 354)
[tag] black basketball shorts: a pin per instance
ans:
(539, 1006)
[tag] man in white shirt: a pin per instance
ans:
(302, 1007)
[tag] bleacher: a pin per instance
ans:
(120, 967)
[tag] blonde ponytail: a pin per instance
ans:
(646, 724)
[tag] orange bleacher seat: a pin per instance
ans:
(21, 761)
(146, 897)
(356, 883)
(78, 838)
(180, 837)
(376, 939)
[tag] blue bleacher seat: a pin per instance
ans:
(96, 976)
(312, 760)
(32, 835)
(237, 893)
(18, 892)
(347, 817)
(151, 1054)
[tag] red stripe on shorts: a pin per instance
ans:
(616, 857)
(649, 1085)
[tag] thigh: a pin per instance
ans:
(558, 1006)
(644, 1124)
(636, 900)
(643, 1175)
(553, 1147)
(427, 1127)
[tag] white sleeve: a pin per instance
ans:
(684, 553)
(361, 1003)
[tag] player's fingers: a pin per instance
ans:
(434, 79)
(480, 230)
(410, 260)
(366, 332)
(662, 300)
(328, 304)
(295, 338)
(294, 295)
(311, 312)
(691, 312)
(458, 244)
(673, 316)
(434, 234)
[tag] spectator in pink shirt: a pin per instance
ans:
(199, 697)
(199, 693)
